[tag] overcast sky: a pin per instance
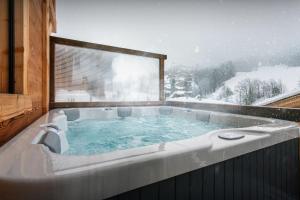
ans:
(190, 32)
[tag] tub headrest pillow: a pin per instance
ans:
(72, 114)
(52, 141)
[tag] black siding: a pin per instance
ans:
(270, 173)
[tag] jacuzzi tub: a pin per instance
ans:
(29, 170)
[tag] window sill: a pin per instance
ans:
(13, 105)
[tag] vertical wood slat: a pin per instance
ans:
(133, 195)
(22, 44)
(270, 173)
(278, 184)
(273, 189)
(182, 186)
(167, 189)
(246, 177)
(150, 192)
(196, 185)
(253, 176)
(266, 173)
(11, 47)
(289, 172)
(219, 178)
(238, 178)
(208, 182)
(260, 175)
(295, 164)
(284, 171)
(229, 180)
(296, 168)
(45, 62)
(292, 184)
(4, 46)
(161, 79)
(52, 72)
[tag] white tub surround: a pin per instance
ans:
(37, 173)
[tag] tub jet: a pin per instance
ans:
(124, 112)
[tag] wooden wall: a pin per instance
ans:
(34, 20)
(3, 47)
(290, 102)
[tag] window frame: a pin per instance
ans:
(77, 43)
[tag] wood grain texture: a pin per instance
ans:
(22, 45)
(89, 45)
(161, 79)
(289, 102)
(33, 26)
(12, 105)
(3, 46)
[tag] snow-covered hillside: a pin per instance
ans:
(290, 76)
(287, 77)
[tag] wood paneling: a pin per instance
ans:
(271, 173)
(289, 102)
(3, 47)
(89, 45)
(21, 45)
(33, 24)
(162, 79)
(12, 105)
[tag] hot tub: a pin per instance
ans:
(138, 152)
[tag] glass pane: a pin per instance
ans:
(88, 75)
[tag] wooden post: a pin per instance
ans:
(161, 79)
(52, 74)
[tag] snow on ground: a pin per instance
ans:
(62, 95)
(192, 99)
(72, 96)
(277, 98)
(289, 76)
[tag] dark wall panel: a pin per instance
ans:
(270, 173)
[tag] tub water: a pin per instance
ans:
(92, 136)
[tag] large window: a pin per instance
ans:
(84, 74)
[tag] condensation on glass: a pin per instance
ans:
(89, 75)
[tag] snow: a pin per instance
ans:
(277, 98)
(290, 76)
(195, 100)
(72, 96)
(83, 96)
